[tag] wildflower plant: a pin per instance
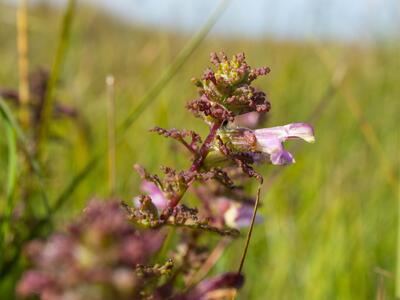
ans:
(123, 250)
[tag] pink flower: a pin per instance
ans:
(156, 195)
(236, 214)
(239, 215)
(261, 144)
(34, 282)
(270, 140)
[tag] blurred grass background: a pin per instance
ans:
(330, 229)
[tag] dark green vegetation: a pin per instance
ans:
(330, 220)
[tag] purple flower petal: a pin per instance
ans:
(270, 140)
(300, 130)
(156, 195)
(249, 120)
(240, 215)
(269, 143)
(282, 157)
(282, 133)
(33, 282)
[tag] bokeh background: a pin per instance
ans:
(330, 220)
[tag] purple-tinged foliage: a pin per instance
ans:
(180, 136)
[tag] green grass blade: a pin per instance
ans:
(11, 180)
(12, 162)
(75, 182)
(7, 114)
(62, 46)
(397, 283)
(172, 69)
(144, 103)
(148, 98)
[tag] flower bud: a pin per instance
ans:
(227, 92)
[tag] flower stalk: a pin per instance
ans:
(205, 148)
(196, 165)
(112, 172)
(249, 233)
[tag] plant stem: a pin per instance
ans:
(111, 134)
(196, 165)
(208, 264)
(23, 62)
(205, 148)
(250, 231)
(398, 254)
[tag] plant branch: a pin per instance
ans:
(205, 148)
(196, 165)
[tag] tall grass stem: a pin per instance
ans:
(398, 247)
(23, 62)
(7, 114)
(174, 67)
(11, 181)
(112, 179)
(63, 42)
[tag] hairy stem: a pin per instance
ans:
(196, 166)
(205, 148)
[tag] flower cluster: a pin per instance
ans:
(222, 207)
(100, 256)
(108, 254)
(227, 91)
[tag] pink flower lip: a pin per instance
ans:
(270, 140)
